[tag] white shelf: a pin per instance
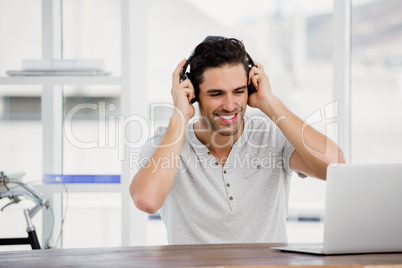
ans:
(60, 80)
(79, 188)
(133, 98)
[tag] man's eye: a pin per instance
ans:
(240, 92)
(215, 94)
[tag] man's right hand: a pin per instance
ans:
(182, 94)
(154, 180)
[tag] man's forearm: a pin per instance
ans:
(315, 149)
(153, 182)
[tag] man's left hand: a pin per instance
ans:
(263, 98)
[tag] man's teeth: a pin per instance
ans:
(227, 117)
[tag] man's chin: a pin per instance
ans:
(227, 132)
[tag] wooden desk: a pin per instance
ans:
(228, 255)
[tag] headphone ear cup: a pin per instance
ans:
(195, 86)
(184, 74)
(251, 89)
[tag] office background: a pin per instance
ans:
(293, 41)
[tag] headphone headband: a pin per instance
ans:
(185, 75)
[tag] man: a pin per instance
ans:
(225, 178)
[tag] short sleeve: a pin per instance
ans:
(288, 150)
(150, 146)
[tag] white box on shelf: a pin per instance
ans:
(63, 65)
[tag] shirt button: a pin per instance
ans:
(216, 163)
(230, 198)
(258, 167)
(227, 185)
(224, 171)
(209, 153)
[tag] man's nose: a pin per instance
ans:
(229, 103)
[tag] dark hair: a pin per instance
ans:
(216, 52)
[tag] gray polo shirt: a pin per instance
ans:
(245, 201)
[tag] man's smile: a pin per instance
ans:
(228, 118)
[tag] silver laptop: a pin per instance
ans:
(363, 211)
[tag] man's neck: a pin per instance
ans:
(217, 144)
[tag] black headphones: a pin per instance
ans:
(184, 75)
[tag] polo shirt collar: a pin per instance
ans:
(200, 147)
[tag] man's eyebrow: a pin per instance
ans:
(214, 90)
(240, 88)
(220, 90)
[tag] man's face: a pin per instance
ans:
(223, 98)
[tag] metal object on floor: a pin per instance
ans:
(30, 193)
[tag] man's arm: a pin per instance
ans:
(153, 182)
(313, 150)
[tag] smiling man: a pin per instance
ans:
(224, 118)
(225, 178)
